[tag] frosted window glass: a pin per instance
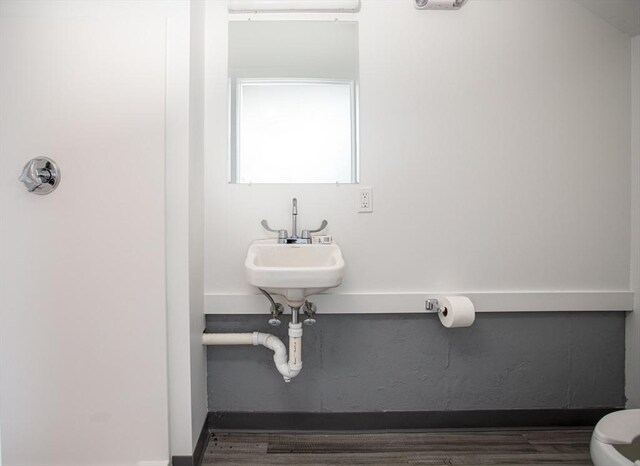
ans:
(295, 131)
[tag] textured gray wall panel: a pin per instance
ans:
(409, 362)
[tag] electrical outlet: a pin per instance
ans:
(365, 201)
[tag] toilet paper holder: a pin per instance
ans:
(454, 311)
(433, 305)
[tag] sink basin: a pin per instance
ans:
(294, 271)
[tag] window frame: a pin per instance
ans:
(235, 105)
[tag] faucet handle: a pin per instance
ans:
(282, 234)
(306, 234)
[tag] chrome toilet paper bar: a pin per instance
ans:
(432, 305)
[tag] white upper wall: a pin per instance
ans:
(623, 14)
(496, 139)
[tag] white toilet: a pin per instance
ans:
(616, 439)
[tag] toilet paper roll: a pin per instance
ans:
(456, 311)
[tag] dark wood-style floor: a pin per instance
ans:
(458, 448)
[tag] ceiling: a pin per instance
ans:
(623, 14)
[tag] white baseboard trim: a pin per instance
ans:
(400, 303)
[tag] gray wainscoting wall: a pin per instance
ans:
(410, 362)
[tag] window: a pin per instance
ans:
(295, 131)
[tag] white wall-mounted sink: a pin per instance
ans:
(294, 271)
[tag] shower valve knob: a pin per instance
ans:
(40, 175)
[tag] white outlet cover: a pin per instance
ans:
(365, 200)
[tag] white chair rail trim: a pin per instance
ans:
(414, 303)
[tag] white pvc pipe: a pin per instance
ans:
(227, 339)
(289, 369)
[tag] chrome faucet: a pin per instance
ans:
(294, 219)
(283, 235)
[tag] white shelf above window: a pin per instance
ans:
(266, 6)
